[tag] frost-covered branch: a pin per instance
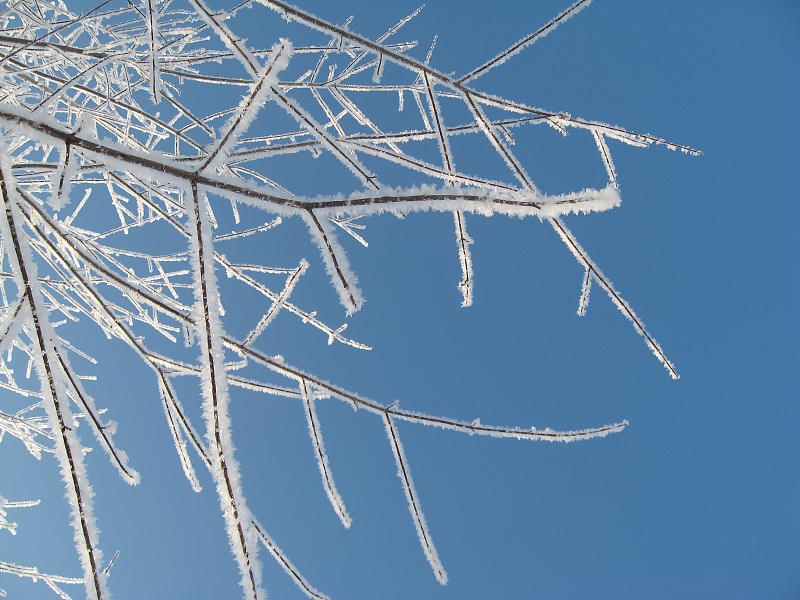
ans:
(286, 564)
(606, 284)
(68, 448)
(215, 399)
(526, 41)
(33, 573)
(488, 99)
(322, 458)
(413, 502)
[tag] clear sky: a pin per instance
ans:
(697, 498)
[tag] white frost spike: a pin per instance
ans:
(399, 24)
(586, 201)
(422, 112)
(585, 289)
(463, 240)
(413, 502)
(431, 49)
(619, 301)
(322, 458)
(28, 429)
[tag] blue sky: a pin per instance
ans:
(697, 498)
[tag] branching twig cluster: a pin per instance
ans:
(125, 172)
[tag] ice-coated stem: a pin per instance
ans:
(224, 467)
(287, 565)
(413, 502)
(580, 254)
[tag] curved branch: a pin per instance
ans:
(474, 428)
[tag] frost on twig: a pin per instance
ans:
(143, 160)
(61, 421)
(9, 526)
(286, 564)
(413, 502)
(322, 458)
(224, 467)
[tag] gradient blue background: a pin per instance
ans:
(697, 498)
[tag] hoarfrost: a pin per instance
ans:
(92, 117)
